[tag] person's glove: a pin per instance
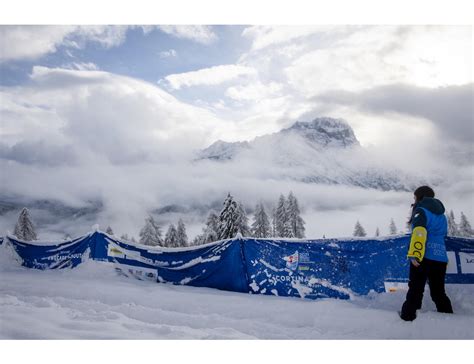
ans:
(415, 262)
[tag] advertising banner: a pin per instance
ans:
(337, 268)
(46, 255)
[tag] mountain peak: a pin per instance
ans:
(320, 132)
(326, 131)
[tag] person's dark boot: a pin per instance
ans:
(407, 314)
(445, 307)
(406, 318)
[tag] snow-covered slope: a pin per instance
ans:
(324, 151)
(91, 302)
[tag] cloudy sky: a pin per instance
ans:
(113, 107)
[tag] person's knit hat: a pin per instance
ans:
(423, 191)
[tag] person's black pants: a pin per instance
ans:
(434, 272)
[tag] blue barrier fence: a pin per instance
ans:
(302, 268)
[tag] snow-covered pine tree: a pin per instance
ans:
(295, 223)
(453, 229)
(289, 222)
(181, 234)
(197, 240)
(150, 234)
(465, 227)
(133, 240)
(124, 237)
(359, 231)
(273, 226)
(24, 228)
(228, 228)
(300, 229)
(392, 228)
(261, 226)
(377, 231)
(212, 221)
(109, 230)
(281, 218)
(242, 221)
(209, 235)
(289, 232)
(209, 232)
(171, 237)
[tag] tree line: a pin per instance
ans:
(284, 221)
(359, 230)
(463, 229)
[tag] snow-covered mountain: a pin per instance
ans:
(324, 150)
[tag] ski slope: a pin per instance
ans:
(92, 302)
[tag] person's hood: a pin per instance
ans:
(432, 204)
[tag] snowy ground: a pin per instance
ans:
(92, 302)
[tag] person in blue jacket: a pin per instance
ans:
(427, 254)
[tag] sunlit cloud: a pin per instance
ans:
(198, 33)
(209, 76)
(34, 41)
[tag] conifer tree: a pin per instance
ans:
(453, 229)
(377, 231)
(209, 231)
(171, 237)
(124, 237)
(109, 230)
(227, 228)
(181, 234)
(281, 218)
(197, 240)
(209, 235)
(212, 221)
(24, 228)
(392, 228)
(261, 226)
(288, 231)
(359, 231)
(150, 234)
(273, 226)
(465, 229)
(295, 223)
(242, 221)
